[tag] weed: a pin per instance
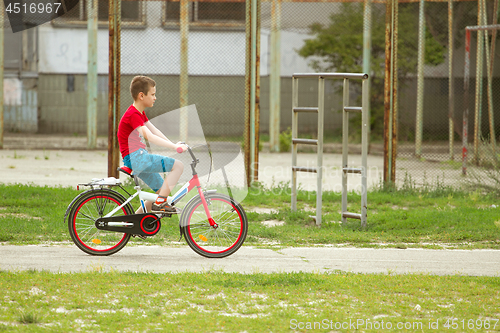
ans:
(485, 157)
(16, 157)
(156, 313)
(409, 187)
(29, 318)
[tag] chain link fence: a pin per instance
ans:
(196, 57)
(215, 62)
(313, 36)
(329, 37)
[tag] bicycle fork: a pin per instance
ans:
(196, 182)
(207, 211)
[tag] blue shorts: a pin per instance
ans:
(148, 166)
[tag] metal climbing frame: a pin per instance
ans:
(319, 142)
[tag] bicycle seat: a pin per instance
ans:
(126, 170)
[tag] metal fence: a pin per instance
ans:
(197, 52)
(429, 97)
(196, 66)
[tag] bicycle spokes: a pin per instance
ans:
(83, 228)
(218, 234)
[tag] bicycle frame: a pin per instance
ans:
(97, 232)
(182, 192)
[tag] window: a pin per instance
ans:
(207, 14)
(132, 14)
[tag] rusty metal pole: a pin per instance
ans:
(118, 77)
(183, 79)
(2, 41)
(420, 81)
(387, 87)
(257, 92)
(490, 70)
(479, 83)
(92, 74)
(496, 9)
(466, 102)
(489, 91)
(451, 102)
(246, 131)
(114, 86)
(253, 76)
(394, 92)
(111, 88)
(274, 77)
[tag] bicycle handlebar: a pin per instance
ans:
(180, 150)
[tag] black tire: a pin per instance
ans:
(86, 209)
(211, 242)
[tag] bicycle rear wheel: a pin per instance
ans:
(92, 205)
(210, 242)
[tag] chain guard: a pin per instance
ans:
(136, 224)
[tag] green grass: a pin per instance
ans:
(215, 301)
(409, 217)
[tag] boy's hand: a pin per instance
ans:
(180, 148)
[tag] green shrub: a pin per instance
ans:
(286, 140)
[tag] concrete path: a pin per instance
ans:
(63, 160)
(71, 167)
(251, 260)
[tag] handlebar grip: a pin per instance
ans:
(179, 150)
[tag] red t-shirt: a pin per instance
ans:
(128, 136)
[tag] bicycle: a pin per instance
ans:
(101, 220)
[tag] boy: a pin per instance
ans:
(134, 124)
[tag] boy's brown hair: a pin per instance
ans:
(141, 84)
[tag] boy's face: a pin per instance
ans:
(149, 99)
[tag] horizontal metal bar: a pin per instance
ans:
(353, 108)
(351, 215)
(304, 109)
(483, 27)
(352, 170)
(304, 169)
(305, 141)
(362, 76)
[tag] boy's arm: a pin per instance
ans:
(157, 140)
(152, 128)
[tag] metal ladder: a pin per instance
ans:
(319, 142)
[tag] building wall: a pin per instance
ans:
(220, 104)
(20, 105)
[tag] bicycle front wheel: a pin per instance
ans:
(204, 239)
(92, 205)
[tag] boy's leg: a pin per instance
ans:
(169, 183)
(148, 205)
(164, 191)
(172, 179)
(150, 165)
(154, 180)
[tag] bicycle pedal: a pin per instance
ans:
(140, 236)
